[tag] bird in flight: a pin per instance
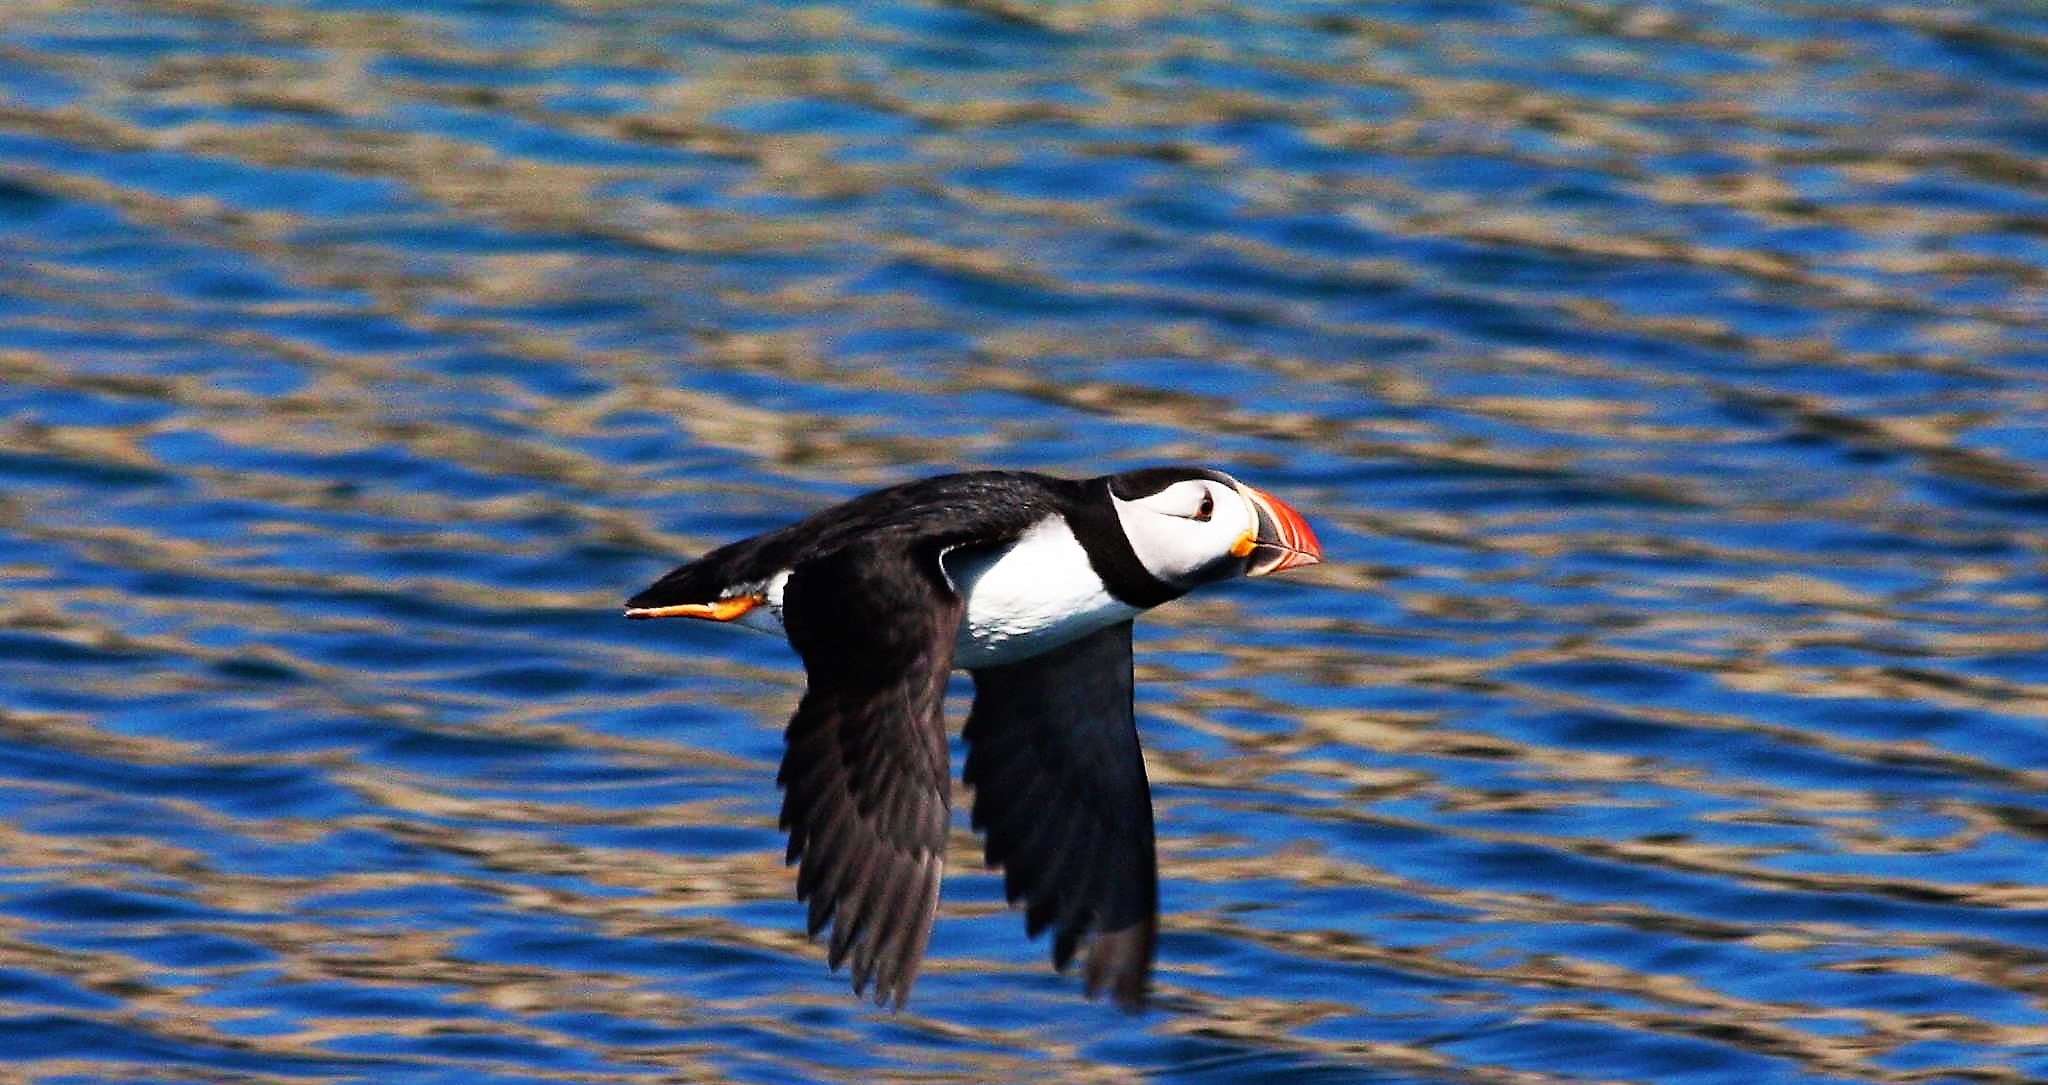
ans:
(1029, 583)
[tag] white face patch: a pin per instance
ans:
(1186, 527)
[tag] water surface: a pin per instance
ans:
(1665, 381)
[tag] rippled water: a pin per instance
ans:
(1666, 382)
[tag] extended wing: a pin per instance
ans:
(865, 774)
(1059, 787)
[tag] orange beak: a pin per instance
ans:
(1282, 540)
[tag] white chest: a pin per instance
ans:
(1037, 595)
(1034, 596)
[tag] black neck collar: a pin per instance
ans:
(1101, 535)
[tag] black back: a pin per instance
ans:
(972, 509)
(975, 507)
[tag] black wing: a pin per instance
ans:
(865, 774)
(1059, 787)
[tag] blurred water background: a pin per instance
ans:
(1666, 382)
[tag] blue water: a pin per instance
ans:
(1667, 382)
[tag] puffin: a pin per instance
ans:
(1029, 583)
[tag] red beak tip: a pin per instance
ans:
(1296, 538)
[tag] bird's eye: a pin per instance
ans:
(1208, 508)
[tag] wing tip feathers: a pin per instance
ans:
(1120, 962)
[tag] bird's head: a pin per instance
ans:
(1191, 525)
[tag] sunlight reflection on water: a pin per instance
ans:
(1664, 382)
